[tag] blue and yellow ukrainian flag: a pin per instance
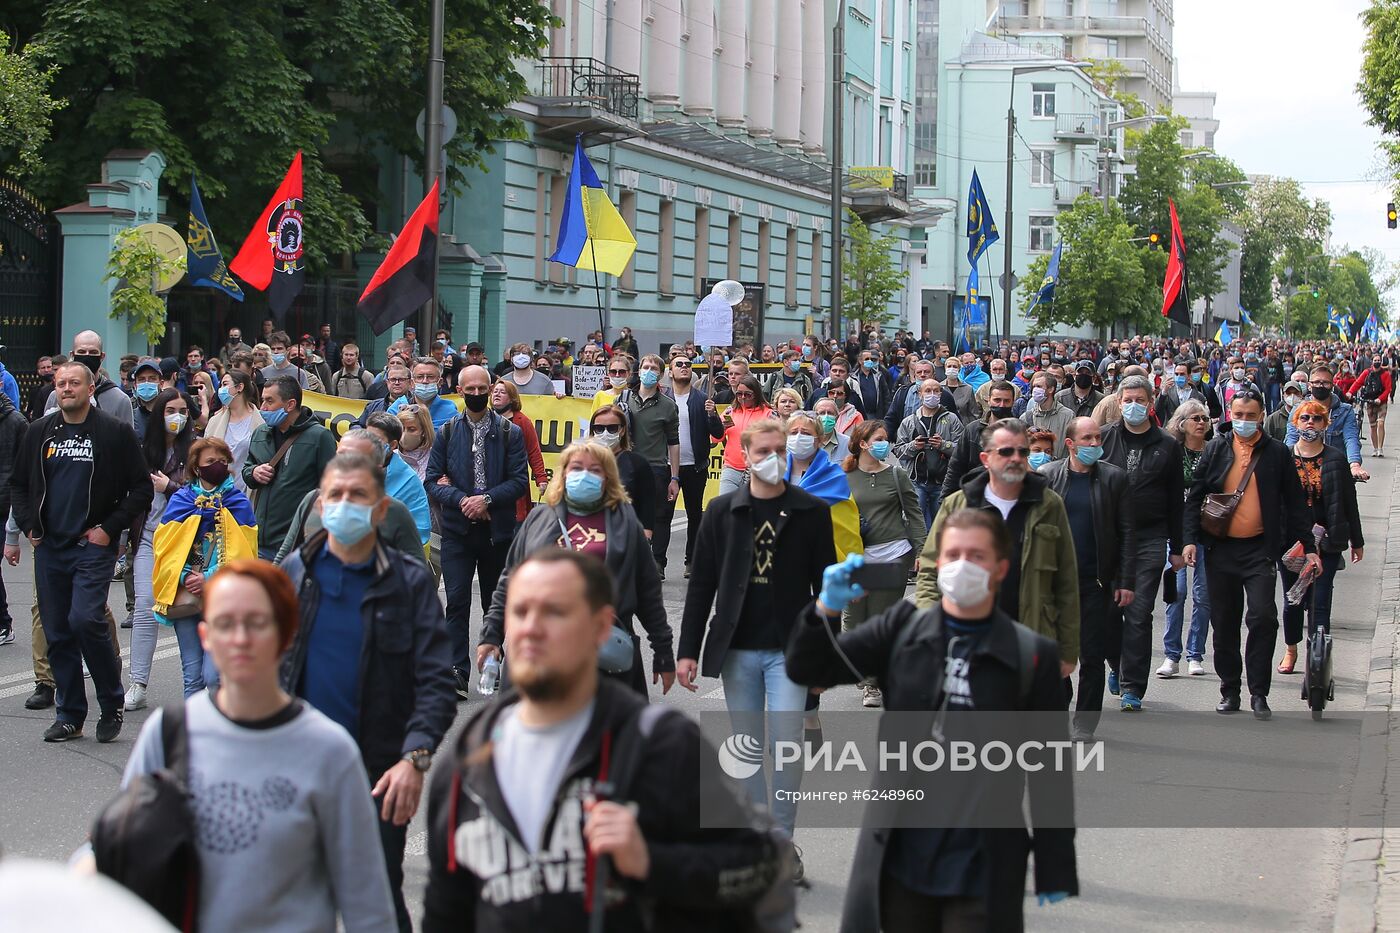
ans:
(221, 521)
(592, 234)
(1223, 335)
(827, 481)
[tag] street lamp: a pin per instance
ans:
(1006, 235)
(838, 112)
(1118, 125)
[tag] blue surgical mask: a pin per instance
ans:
(1245, 428)
(225, 396)
(806, 352)
(868, 364)
(278, 359)
(650, 378)
(1038, 459)
(880, 450)
(146, 391)
(794, 365)
(1196, 377)
(1134, 412)
(275, 417)
(1088, 455)
(347, 522)
(1181, 382)
(426, 391)
(583, 488)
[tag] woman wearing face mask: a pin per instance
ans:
(166, 447)
(235, 422)
(1042, 444)
(891, 523)
(417, 442)
(1330, 488)
(749, 405)
(608, 427)
(585, 508)
(834, 444)
(206, 523)
(1190, 425)
(505, 399)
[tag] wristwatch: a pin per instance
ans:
(422, 759)
(487, 500)
(675, 479)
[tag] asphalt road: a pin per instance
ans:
(1171, 876)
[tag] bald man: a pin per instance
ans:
(106, 394)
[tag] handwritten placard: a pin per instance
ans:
(588, 381)
(714, 322)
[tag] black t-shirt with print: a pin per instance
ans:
(68, 471)
(758, 626)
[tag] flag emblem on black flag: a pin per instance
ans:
(272, 255)
(1176, 301)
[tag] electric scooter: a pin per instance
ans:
(1318, 685)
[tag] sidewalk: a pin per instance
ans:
(1369, 894)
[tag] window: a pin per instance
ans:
(886, 136)
(887, 11)
(1042, 167)
(1188, 139)
(1042, 233)
(790, 267)
(541, 226)
(666, 247)
(628, 208)
(765, 251)
(1043, 100)
(1016, 8)
(1101, 47)
(736, 245)
(1059, 7)
(1210, 139)
(815, 300)
(702, 245)
(926, 94)
(558, 191)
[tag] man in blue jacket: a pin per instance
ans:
(1343, 432)
(372, 651)
(476, 472)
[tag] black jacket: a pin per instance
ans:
(966, 457)
(121, 481)
(407, 696)
(1158, 484)
(12, 428)
(1339, 501)
(705, 427)
(911, 680)
(701, 879)
(723, 560)
(1114, 532)
(1282, 503)
(506, 474)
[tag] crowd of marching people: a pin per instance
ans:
(1041, 499)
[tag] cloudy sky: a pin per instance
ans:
(1285, 72)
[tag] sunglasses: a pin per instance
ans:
(684, 364)
(1312, 419)
(1022, 452)
(612, 429)
(1198, 418)
(618, 372)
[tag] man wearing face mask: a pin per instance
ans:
(698, 427)
(528, 379)
(654, 427)
(358, 597)
(967, 455)
(1044, 412)
(286, 456)
(1179, 388)
(1237, 381)
(427, 374)
(1276, 425)
(907, 399)
(145, 387)
(924, 444)
(279, 344)
(876, 387)
(998, 369)
(791, 376)
(401, 481)
(1081, 397)
(758, 561)
(476, 472)
(106, 394)
(1100, 514)
(1343, 432)
(1041, 588)
(1153, 461)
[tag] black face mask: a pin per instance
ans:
(1083, 380)
(46, 377)
(999, 412)
(91, 360)
(1322, 393)
(476, 403)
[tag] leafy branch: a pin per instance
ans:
(137, 266)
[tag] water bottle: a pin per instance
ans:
(490, 677)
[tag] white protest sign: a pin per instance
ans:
(588, 381)
(714, 322)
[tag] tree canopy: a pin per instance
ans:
(26, 107)
(1102, 279)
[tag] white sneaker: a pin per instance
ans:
(1196, 668)
(870, 697)
(7, 637)
(1168, 668)
(136, 697)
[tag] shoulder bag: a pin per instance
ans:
(1219, 507)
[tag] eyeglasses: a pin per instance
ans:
(743, 395)
(1198, 418)
(1022, 452)
(1312, 419)
(258, 625)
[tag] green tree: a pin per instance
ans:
(1379, 86)
(26, 107)
(1101, 274)
(136, 265)
(1282, 229)
(873, 274)
(233, 89)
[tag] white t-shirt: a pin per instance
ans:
(687, 449)
(1004, 505)
(530, 764)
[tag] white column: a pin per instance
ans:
(700, 54)
(663, 80)
(627, 36)
(733, 71)
(787, 116)
(762, 42)
(816, 60)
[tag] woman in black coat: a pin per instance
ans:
(1331, 494)
(608, 427)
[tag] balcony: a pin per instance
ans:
(584, 96)
(877, 193)
(1077, 128)
(1067, 192)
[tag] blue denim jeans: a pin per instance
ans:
(1200, 614)
(191, 654)
(930, 496)
(755, 681)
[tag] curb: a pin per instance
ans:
(1359, 900)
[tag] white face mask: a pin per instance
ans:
(964, 582)
(176, 423)
(608, 439)
(520, 361)
(617, 382)
(769, 470)
(801, 446)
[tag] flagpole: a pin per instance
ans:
(432, 161)
(597, 288)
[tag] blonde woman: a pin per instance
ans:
(417, 441)
(586, 508)
(787, 402)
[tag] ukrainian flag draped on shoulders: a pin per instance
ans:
(219, 521)
(827, 481)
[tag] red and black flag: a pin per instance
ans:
(404, 280)
(1176, 303)
(272, 258)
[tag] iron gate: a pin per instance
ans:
(29, 248)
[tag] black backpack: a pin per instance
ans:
(1373, 387)
(144, 839)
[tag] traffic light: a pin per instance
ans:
(1316, 291)
(1154, 239)
(1390, 215)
